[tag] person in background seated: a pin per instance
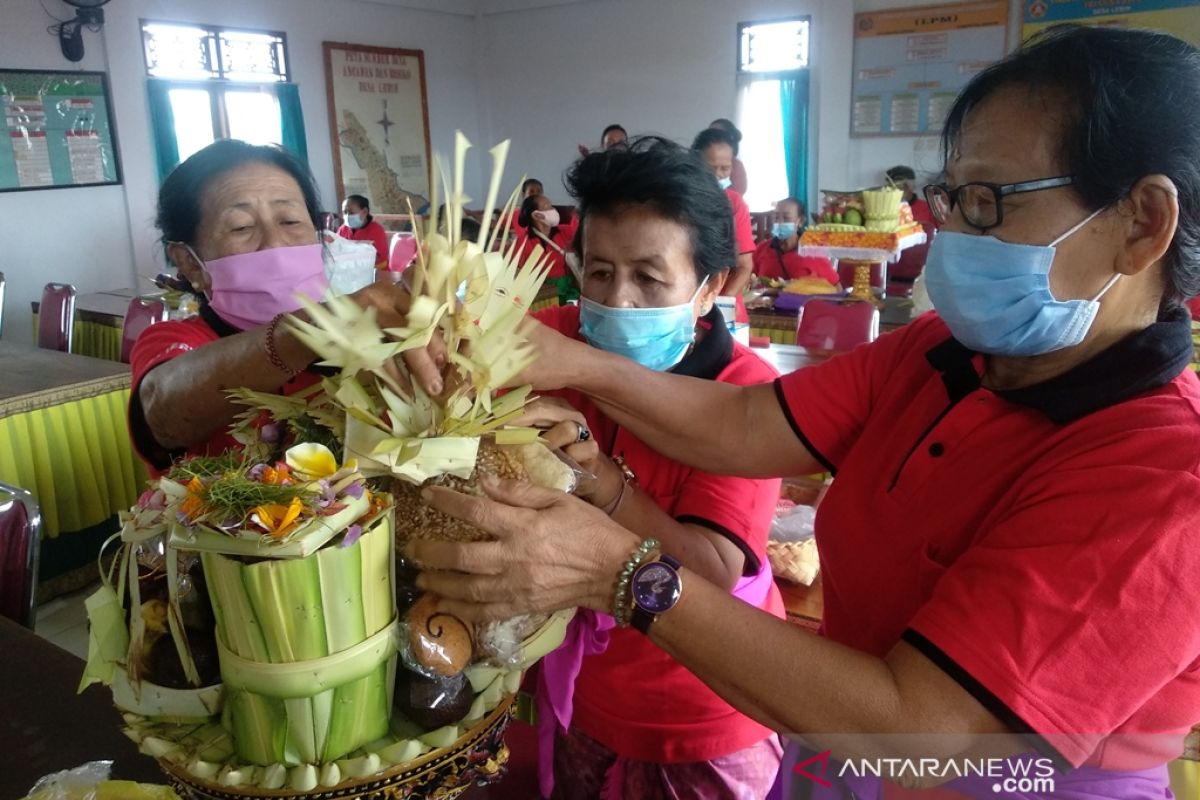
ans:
(541, 224)
(239, 221)
(716, 147)
(530, 188)
(613, 136)
(904, 272)
(738, 174)
(360, 226)
(777, 256)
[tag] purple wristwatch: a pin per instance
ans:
(655, 589)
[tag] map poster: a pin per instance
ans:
(1179, 18)
(379, 125)
(910, 63)
(57, 131)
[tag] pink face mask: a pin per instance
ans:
(549, 217)
(249, 289)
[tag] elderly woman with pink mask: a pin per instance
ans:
(239, 222)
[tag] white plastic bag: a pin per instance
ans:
(349, 265)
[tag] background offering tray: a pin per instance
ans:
(863, 245)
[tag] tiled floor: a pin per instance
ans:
(63, 621)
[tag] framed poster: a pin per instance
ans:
(910, 63)
(58, 130)
(1179, 18)
(379, 125)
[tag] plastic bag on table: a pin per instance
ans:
(794, 525)
(90, 782)
(349, 265)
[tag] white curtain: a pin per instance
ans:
(760, 118)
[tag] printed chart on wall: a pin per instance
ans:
(1177, 17)
(57, 130)
(379, 124)
(910, 63)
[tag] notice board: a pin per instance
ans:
(1179, 18)
(58, 130)
(910, 63)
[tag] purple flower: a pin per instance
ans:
(352, 534)
(327, 494)
(270, 432)
(256, 472)
(354, 490)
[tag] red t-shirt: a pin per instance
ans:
(635, 699)
(743, 231)
(156, 345)
(563, 237)
(1038, 545)
(372, 232)
(771, 263)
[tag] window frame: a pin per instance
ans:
(748, 74)
(220, 74)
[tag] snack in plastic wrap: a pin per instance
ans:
(433, 643)
(432, 703)
(500, 642)
(90, 782)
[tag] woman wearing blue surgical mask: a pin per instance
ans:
(358, 225)
(1009, 548)
(655, 241)
(777, 257)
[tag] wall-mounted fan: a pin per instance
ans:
(70, 32)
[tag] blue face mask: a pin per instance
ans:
(783, 230)
(656, 338)
(724, 183)
(355, 221)
(995, 296)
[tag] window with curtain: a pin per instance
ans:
(773, 109)
(208, 83)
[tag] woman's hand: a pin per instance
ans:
(556, 358)
(565, 428)
(391, 302)
(552, 551)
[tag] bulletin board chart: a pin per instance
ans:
(57, 132)
(1179, 18)
(910, 63)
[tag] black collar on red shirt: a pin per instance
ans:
(1150, 358)
(712, 353)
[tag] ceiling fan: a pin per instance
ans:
(70, 32)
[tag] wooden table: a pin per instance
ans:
(46, 727)
(35, 378)
(805, 605)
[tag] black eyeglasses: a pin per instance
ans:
(982, 203)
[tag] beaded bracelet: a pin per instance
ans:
(621, 606)
(273, 351)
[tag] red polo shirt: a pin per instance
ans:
(635, 699)
(743, 231)
(1039, 545)
(159, 344)
(563, 237)
(372, 232)
(770, 262)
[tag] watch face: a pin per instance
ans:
(655, 587)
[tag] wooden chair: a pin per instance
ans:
(836, 326)
(56, 317)
(20, 532)
(141, 314)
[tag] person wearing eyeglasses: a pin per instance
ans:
(1009, 547)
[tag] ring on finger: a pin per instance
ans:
(583, 435)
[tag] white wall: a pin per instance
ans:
(100, 238)
(559, 71)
